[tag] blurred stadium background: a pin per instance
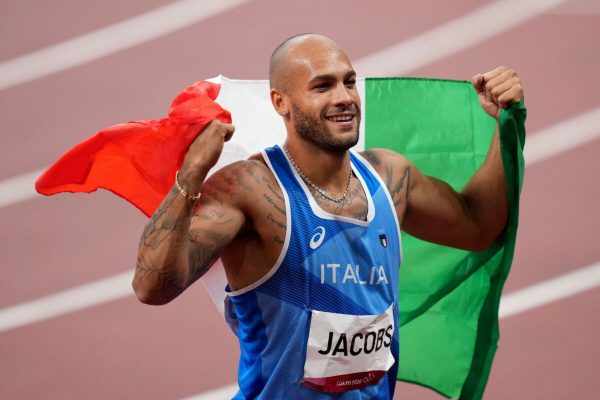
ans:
(69, 325)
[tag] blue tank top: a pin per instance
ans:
(329, 264)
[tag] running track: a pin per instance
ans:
(121, 349)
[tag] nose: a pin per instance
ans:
(342, 96)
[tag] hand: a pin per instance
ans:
(497, 89)
(205, 150)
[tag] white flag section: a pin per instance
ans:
(347, 352)
(257, 126)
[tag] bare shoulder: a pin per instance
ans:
(395, 170)
(379, 157)
(246, 187)
(233, 183)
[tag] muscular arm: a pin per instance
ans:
(172, 256)
(432, 210)
(180, 243)
(471, 219)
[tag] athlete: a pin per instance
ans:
(308, 233)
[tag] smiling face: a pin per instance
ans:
(319, 95)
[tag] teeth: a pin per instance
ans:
(341, 118)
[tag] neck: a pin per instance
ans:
(325, 169)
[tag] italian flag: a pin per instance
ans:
(448, 298)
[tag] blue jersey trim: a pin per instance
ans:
(368, 165)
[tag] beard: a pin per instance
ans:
(314, 130)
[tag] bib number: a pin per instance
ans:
(346, 352)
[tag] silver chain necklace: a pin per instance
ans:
(321, 191)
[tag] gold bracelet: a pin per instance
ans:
(183, 192)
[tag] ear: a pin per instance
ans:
(279, 102)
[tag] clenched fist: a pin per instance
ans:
(497, 89)
(204, 152)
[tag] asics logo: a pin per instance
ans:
(317, 238)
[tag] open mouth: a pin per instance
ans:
(342, 119)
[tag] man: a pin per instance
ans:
(309, 233)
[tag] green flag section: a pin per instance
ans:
(448, 298)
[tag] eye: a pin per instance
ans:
(322, 86)
(351, 83)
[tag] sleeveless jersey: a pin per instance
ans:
(322, 323)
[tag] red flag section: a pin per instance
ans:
(137, 160)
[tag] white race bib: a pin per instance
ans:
(347, 352)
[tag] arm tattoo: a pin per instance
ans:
(172, 256)
(274, 221)
(372, 158)
(159, 227)
(205, 246)
(169, 284)
(162, 230)
(399, 189)
(276, 202)
(397, 179)
(272, 203)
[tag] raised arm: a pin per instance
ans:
(170, 257)
(471, 219)
(430, 208)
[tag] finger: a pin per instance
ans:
(488, 76)
(487, 90)
(515, 94)
(229, 129)
(506, 82)
(504, 76)
(214, 124)
(477, 82)
(499, 87)
(491, 79)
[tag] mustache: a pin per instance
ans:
(351, 109)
